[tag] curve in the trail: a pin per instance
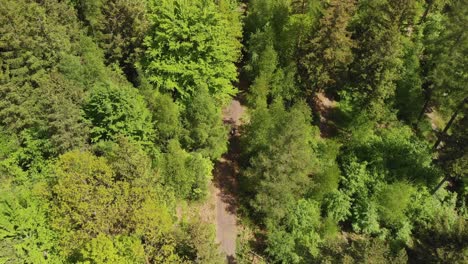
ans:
(225, 175)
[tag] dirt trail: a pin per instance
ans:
(323, 106)
(225, 174)
(435, 120)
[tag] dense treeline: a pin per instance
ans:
(378, 185)
(353, 149)
(110, 115)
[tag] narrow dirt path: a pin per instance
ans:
(323, 106)
(225, 181)
(435, 119)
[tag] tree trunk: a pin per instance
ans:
(449, 124)
(439, 185)
(426, 11)
(427, 99)
(423, 110)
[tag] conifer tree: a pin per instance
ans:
(330, 50)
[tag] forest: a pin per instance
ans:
(351, 146)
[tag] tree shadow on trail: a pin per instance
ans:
(227, 169)
(225, 175)
(231, 259)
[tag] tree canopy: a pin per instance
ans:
(328, 131)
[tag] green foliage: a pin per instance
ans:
(453, 156)
(60, 103)
(8, 145)
(446, 241)
(272, 80)
(286, 23)
(11, 154)
(87, 66)
(373, 193)
(33, 40)
(279, 171)
(393, 201)
(206, 132)
(337, 205)
(187, 174)
(199, 127)
(25, 233)
(41, 38)
(260, 89)
(104, 249)
(441, 232)
(118, 111)
(91, 168)
(118, 26)
(377, 54)
(166, 117)
(409, 92)
(85, 196)
(195, 54)
(197, 243)
(297, 239)
(326, 180)
(51, 112)
(128, 160)
(361, 250)
(90, 200)
(275, 34)
(59, 99)
(396, 153)
(329, 51)
(447, 59)
(57, 64)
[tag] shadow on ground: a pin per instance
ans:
(225, 175)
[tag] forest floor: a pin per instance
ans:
(225, 182)
(436, 120)
(324, 107)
